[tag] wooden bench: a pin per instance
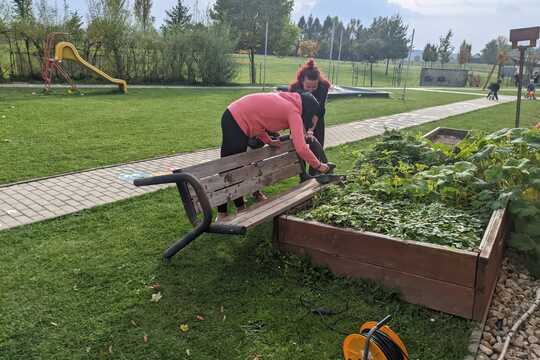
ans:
(205, 186)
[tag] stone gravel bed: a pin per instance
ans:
(514, 294)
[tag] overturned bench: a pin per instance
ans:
(205, 186)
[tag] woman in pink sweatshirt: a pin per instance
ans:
(257, 114)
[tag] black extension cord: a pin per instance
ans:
(390, 349)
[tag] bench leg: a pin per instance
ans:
(179, 245)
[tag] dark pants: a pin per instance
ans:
(234, 142)
(318, 147)
(493, 95)
(318, 132)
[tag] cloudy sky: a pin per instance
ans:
(477, 21)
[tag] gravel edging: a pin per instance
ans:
(514, 294)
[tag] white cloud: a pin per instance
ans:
(467, 7)
(304, 7)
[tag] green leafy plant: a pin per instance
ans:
(408, 180)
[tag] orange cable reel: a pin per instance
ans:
(376, 341)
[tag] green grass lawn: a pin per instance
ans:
(281, 70)
(46, 135)
(76, 287)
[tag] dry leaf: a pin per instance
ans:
(188, 352)
(155, 286)
(200, 317)
(110, 349)
(156, 297)
(54, 324)
(184, 328)
(222, 308)
(258, 357)
(145, 339)
(134, 323)
(224, 317)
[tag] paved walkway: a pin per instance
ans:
(33, 201)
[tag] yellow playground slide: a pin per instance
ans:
(67, 51)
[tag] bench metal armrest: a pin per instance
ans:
(182, 179)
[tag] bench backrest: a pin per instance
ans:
(238, 175)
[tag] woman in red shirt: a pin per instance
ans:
(255, 115)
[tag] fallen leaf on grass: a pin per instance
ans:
(258, 357)
(188, 352)
(54, 324)
(184, 328)
(110, 349)
(200, 317)
(134, 323)
(155, 286)
(156, 297)
(145, 339)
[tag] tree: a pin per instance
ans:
(287, 43)
(308, 48)
(430, 54)
(302, 23)
(23, 9)
(464, 53)
(371, 51)
(489, 52)
(445, 48)
(248, 18)
(493, 48)
(178, 17)
(395, 37)
(143, 13)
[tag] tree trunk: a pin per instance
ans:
(252, 65)
(371, 74)
(387, 63)
(27, 45)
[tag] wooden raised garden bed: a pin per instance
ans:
(441, 278)
(447, 136)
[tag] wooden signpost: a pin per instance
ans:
(523, 39)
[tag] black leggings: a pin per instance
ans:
(235, 141)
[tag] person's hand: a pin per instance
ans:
(276, 143)
(323, 169)
(309, 135)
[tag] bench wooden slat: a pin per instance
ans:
(261, 168)
(270, 208)
(253, 184)
(236, 161)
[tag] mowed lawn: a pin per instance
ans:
(279, 70)
(77, 287)
(47, 135)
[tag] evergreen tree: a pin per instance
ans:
(302, 23)
(178, 17)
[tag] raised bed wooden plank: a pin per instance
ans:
(432, 261)
(489, 262)
(435, 294)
